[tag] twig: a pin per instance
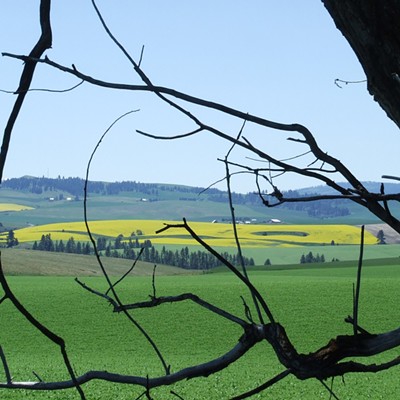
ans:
(336, 82)
(97, 293)
(350, 320)
(127, 272)
(233, 217)
(247, 310)
(3, 298)
(156, 301)
(395, 178)
(98, 258)
(45, 90)
(184, 135)
(5, 366)
(37, 376)
(249, 285)
(176, 395)
(358, 286)
(153, 282)
(329, 389)
(264, 386)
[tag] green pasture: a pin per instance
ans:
(292, 255)
(311, 302)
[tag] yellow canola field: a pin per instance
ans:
(215, 234)
(13, 207)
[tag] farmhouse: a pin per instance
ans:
(274, 221)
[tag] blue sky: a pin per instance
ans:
(276, 59)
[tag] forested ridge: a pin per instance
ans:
(73, 186)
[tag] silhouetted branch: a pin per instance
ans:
(46, 90)
(358, 285)
(337, 81)
(41, 46)
(5, 366)
(158, 137)
(97, 293)
(264, 386)
(157, 301)
(232, 268)
(97, 254)
(128, 271)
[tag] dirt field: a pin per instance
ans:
(391, 236)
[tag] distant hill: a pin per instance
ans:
(60, 199)
(370, 186)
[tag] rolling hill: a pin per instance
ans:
(61, 200)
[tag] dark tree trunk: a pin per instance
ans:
(372, 28)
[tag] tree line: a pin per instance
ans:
(132, 249)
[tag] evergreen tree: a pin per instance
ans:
(86, 249)
(101, 243)
(70, 247)
(11, 240)
(61, 247)
(118, 242)
(381, 237)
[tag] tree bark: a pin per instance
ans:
(372, 29)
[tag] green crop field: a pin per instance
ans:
(310, 302)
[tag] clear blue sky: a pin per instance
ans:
(276, 59)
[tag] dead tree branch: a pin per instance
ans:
(358, 285)
(41, 46)
(97, 254)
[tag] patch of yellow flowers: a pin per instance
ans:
(4, 207)
(215, 234)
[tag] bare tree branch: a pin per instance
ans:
(264, 386)
(358, 286)
(156, 301)
(5, 366)
(47, 90)
(41, 46)
(128, 271)
(99, 261)
(249, 285)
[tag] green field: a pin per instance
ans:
(310, 302)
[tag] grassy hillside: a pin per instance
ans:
(29, 262)
(32, 263)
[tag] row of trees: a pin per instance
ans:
(310, 258)
(74, 186)
(132, 249)
(46, 243)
